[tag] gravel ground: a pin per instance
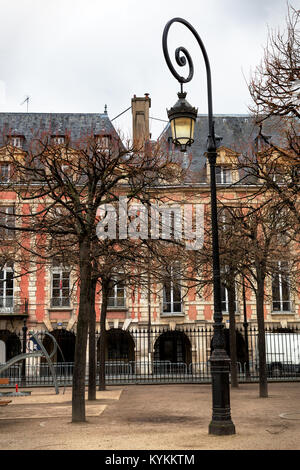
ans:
(152, 417)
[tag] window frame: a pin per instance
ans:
(112, 300)
(103, 141)
(278, 276)
(224, 170)
(60, 270)
(58, 139)
(3, 287)
(16, 141)
(5, 179)
(226, 301)
(6, 233)
(171, 311)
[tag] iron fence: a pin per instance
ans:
(156, 355)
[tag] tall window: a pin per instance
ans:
(7, 222)
(225, 219)
(280, 288)
(225, 299)
(7, 288)
(172, 301)
(60, 287)
(116, 296)
(223, 174)
(4, 172)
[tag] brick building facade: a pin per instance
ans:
(46, 299)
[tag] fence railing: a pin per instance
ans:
(156, 355)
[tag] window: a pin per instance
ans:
(7, 288)
(60, 287)
(277, 176)
(116, 297)
(172, 302)
(16, 141)
(223, 175)
(102, 141)
(224, 292)
(280, 288)
(58, 140)
(7, 220)
(4, 172)
(66, 173)
(225, 299)
(225, 219)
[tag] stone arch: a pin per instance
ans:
(65, 340)
(119, 346)
(173, 346)
(12, 344)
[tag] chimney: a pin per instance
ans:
(140, 120)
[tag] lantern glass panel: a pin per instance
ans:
(182, 129)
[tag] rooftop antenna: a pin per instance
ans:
(26, 100)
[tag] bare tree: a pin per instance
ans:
(264, 230)
(63, 186)
(275, 83)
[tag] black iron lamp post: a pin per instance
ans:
(182, 119)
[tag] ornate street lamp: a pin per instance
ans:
(182, 119)
(182, 126)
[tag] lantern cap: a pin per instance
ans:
(182, 108)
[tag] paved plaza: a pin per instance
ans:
(152, 417)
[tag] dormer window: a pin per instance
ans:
(58, 139)
(223, 175)
(16, 141)
(102, 141)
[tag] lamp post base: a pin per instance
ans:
(221, 423)
(221, 429)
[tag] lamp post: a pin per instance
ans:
(182, 119)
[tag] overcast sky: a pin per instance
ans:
(78, 55)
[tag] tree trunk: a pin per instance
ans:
(92, 344)
(105, 292)
(78, 387)
(263, 382)
(232, 334)
(247, 365)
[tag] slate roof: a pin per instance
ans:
(76, 124)
(237, 132)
